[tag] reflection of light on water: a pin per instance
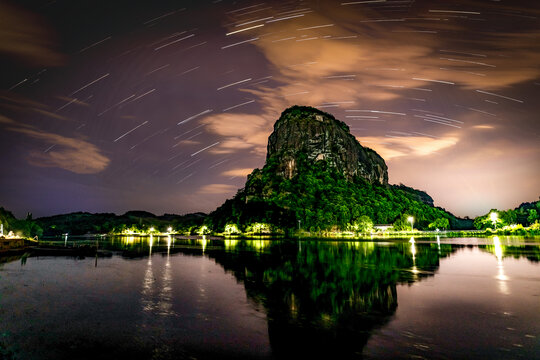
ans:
(413, 249)
(414, 269)
(503, 285)
(439, 243)
(202, 298)
(258, 245)
(231, 244)
(147, 288)
(294, 306)
(165, 295)
(366, 246)
(203, 241)
(498, 248)
(65, 239)
(157, 298)
(169, 241)
(151, 242)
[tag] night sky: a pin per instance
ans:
(109, 106)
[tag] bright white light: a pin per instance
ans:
(493, 216)
(411, 220)
(169, 229)
(203, 241)
(413, 250)
(498, 248)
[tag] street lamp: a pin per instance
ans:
(494, 216)
(169, 229)
(411, 220)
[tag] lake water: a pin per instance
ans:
(259, 299)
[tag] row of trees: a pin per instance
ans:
(526, 214)
(80, 223)
(21, 227)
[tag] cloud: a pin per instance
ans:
(347, 62)
(396, 56)
(5, 120)
(25, 36)
(232, 145)
(188, 142)
(17, 102)
(75, 101)
(243, 132)
(394, 147)
(69, 153)
(72, 154)
(50, 114)
(237, 172)
(217, 189)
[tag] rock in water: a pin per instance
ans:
(309, 131)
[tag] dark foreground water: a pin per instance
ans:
(207, 299)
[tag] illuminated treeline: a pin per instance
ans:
(320, 198)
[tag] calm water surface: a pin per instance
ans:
(259, 299)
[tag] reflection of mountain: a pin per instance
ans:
(325, 298)
(321, 298)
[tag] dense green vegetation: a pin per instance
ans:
(527, 214)
(26, 227)
(320, 198)
(80, 223)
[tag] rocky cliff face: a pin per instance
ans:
(306, 130)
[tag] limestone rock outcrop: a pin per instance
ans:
(309, 131)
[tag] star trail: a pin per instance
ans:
(167, 106)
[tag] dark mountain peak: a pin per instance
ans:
(307, 131)
(300, 112)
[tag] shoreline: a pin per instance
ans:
(303, 235)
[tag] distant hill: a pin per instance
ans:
(318, 176)
(80, 223)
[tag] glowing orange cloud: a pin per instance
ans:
(237, 172)
(25, 36)
(218, 189)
